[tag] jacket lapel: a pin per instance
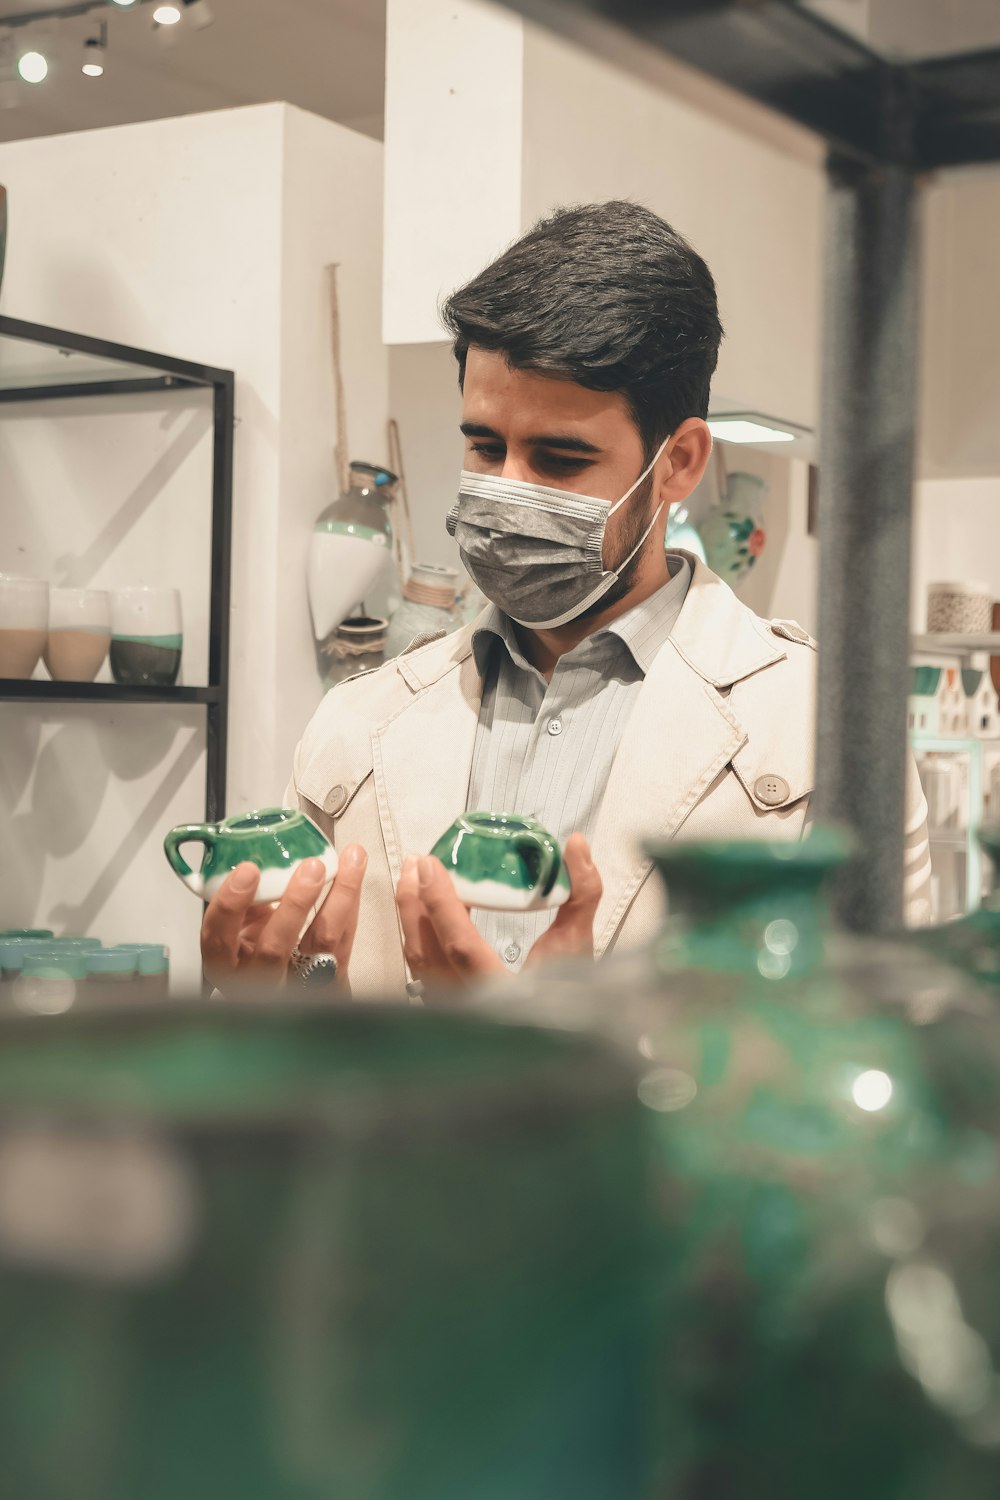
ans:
(424, 752)
(679, 737)
(681, 734)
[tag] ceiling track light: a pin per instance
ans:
(32, 66)
(94, 50)
(168, 13)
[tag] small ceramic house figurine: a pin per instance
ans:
(982, 709)
(922, 709)
(953, 713)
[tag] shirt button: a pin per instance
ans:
(555, 726)
(512, 953)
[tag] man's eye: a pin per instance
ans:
(489, 451)
(557, 463)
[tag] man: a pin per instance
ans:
(612, 690)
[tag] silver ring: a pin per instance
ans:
(316, 971)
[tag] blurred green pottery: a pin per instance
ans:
(257, 1250)
(503, 862)
(829, 1302)
(275, 839)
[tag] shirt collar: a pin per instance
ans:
(643, 629)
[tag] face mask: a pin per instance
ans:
(537, 552)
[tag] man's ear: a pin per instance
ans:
(687, 459)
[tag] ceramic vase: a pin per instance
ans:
(350, 545)
(733, 530)
(265, 1249)
(147, 637)
(430, 605)
(829, 1184)
(79, 634)
(24, 624)
(356, 645)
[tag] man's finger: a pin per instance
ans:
(335, 926)
(280, 935)
(572, 932)
(421, 949)
(467, 953)
(224, 920)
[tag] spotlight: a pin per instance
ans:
(198, 13)
(94, 49)
(33, 67)
(168, 14)
(123, 3)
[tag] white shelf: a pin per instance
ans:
(956, 645)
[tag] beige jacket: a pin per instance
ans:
(718, 745)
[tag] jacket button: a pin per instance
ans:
(336, 799)
(771, 790)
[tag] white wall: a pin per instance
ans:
(193, 258)
(592, 131)
(960, 434)
(453, 120)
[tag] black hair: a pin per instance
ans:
(609, 296)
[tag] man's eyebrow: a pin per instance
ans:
(544, 440)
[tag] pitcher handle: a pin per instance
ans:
(189, 833)
(546, 850)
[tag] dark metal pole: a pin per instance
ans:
(216, 746)
(868, 409)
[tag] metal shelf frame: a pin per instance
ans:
(153, 373)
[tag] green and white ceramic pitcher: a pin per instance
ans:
(276, 839)
(503, 862)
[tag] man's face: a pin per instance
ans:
(523, 425)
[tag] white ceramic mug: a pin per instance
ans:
(79, 633)
(146, 636)
(24, 624)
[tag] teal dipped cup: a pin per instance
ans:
(275, 839)
(503, 862)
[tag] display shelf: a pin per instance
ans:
(39, 363)
(14, 690)
(957, 645)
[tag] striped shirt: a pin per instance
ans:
(545, 748)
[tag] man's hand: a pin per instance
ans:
(440, 943)
(242, 942)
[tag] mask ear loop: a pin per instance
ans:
(647, 470)
(645, 535)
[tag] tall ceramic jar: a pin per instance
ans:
(356, 645)
(829, 1180)
(350, 545)
(430, 603)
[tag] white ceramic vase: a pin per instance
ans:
(350, 545)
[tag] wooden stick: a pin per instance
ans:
(341, 450)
